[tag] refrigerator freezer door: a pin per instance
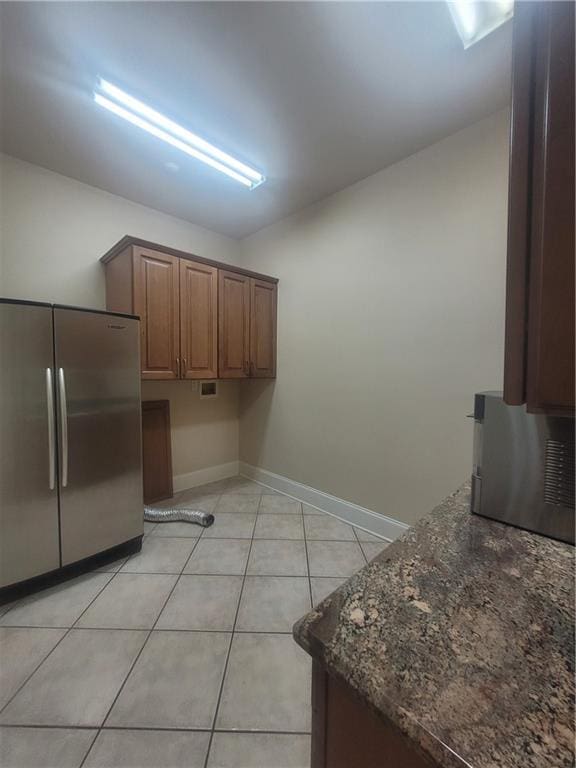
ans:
(29, 543)
(99, 419)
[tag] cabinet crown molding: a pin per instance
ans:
(129, 240)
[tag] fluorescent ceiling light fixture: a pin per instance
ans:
(136, 112)
(474, 19)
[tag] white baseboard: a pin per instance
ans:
(207, 475)
(380, 525)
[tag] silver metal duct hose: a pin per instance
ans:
(158, 515)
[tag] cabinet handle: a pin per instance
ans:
(177, 367)
(184, 366)
(63, 426)
(50, 405)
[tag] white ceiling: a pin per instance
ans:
(316, 95)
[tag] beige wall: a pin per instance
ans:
(204, 432)
(53, 231)
(391, 302)
(390, 317)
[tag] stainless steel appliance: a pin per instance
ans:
(70, 436)
(523, 467)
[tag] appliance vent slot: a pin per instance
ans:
(559, 473)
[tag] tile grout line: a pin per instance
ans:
(113, 574)
(90, 747)
(156, 573)
(110, 708)
(225, 670)
(359, 544)
(246, 538)
(172, 629)
(179, 574)
(172, 573)
(68, 630)
(66, 582)
(307, 557)
(165, 729)
(319, 513)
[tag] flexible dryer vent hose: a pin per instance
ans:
(157, 515)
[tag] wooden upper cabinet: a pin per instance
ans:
(198, 320)
(156, 300)
(233, 325)
(262, 328)
(540, 303)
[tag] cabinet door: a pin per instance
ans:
(198, 320)
(156, 300)
(233, 326)
(550, 361)
(539, 360)
(262, 328)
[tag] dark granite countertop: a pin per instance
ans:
(462, 634)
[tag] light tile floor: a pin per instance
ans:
(182, 655)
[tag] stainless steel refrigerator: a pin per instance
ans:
(70, 436)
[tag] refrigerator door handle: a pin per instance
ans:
(51, 441)
(63, 426)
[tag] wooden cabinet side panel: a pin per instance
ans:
(353, 735)
(233, 325)
(156, 300)
(263, 301)
(319, 693)
(118, 278)
(550, 354)
(198, 320)
(519, 192)
(156, 450)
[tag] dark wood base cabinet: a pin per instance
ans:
(346, 734)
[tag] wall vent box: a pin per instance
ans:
(208, 389)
